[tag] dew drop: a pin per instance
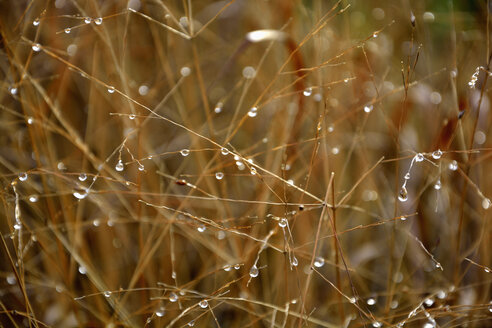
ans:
(428, 302)
(13, 90)
(412, 19)
(82, 177)
(67, 30)
(203, 304)
(220, 235)
(17, 226)
(30, 120)
(11, 279)
(253, 171)
(368, 108)
(227, 268)
(185, 71)
(36, 47)
(185, 152)
(191, 323)
(80, 195)
(419, 157)
(173, 297)
(107, 294)
(253, 112)
(131, 116)
(453, 166)
(240, 165)
(36, 22)
(407, 176)
(160, 312)
(219, 175)
(403, 218)
(143, 90)
(441, 294)
(374, 35)
(283, 223)
(352, 300)
(249, 72)
(253, 272)
(82, 270)
(319, 262)
(23, 176)
(33, 198)
(237, 266)
(119, 166)
(218, 107)
(201, 228)
(141, 167)
(307, 92)
(438, 185)
(345, 80)
(371, 301)
(87, 20)
(111, 89)
(61, 166)
(377, 324)
(294, 261)
(437, 154)
(403, 194)
(98, 21)
(224, 151)
(486, 203)
(429, 325)
(96, 223)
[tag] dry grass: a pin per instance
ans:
(164, 166)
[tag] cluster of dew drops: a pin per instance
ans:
(420, 157)
(436, 155)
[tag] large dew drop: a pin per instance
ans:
(403, 194)
(437, 154)
(173, 297)
(119, 166)
(319, 262)
(253, 272)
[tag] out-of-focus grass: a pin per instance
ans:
(245, 163)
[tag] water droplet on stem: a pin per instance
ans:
(253, 272)
(253, 112)
(119, 166)
(403, 194)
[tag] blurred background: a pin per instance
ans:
(259, 163)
